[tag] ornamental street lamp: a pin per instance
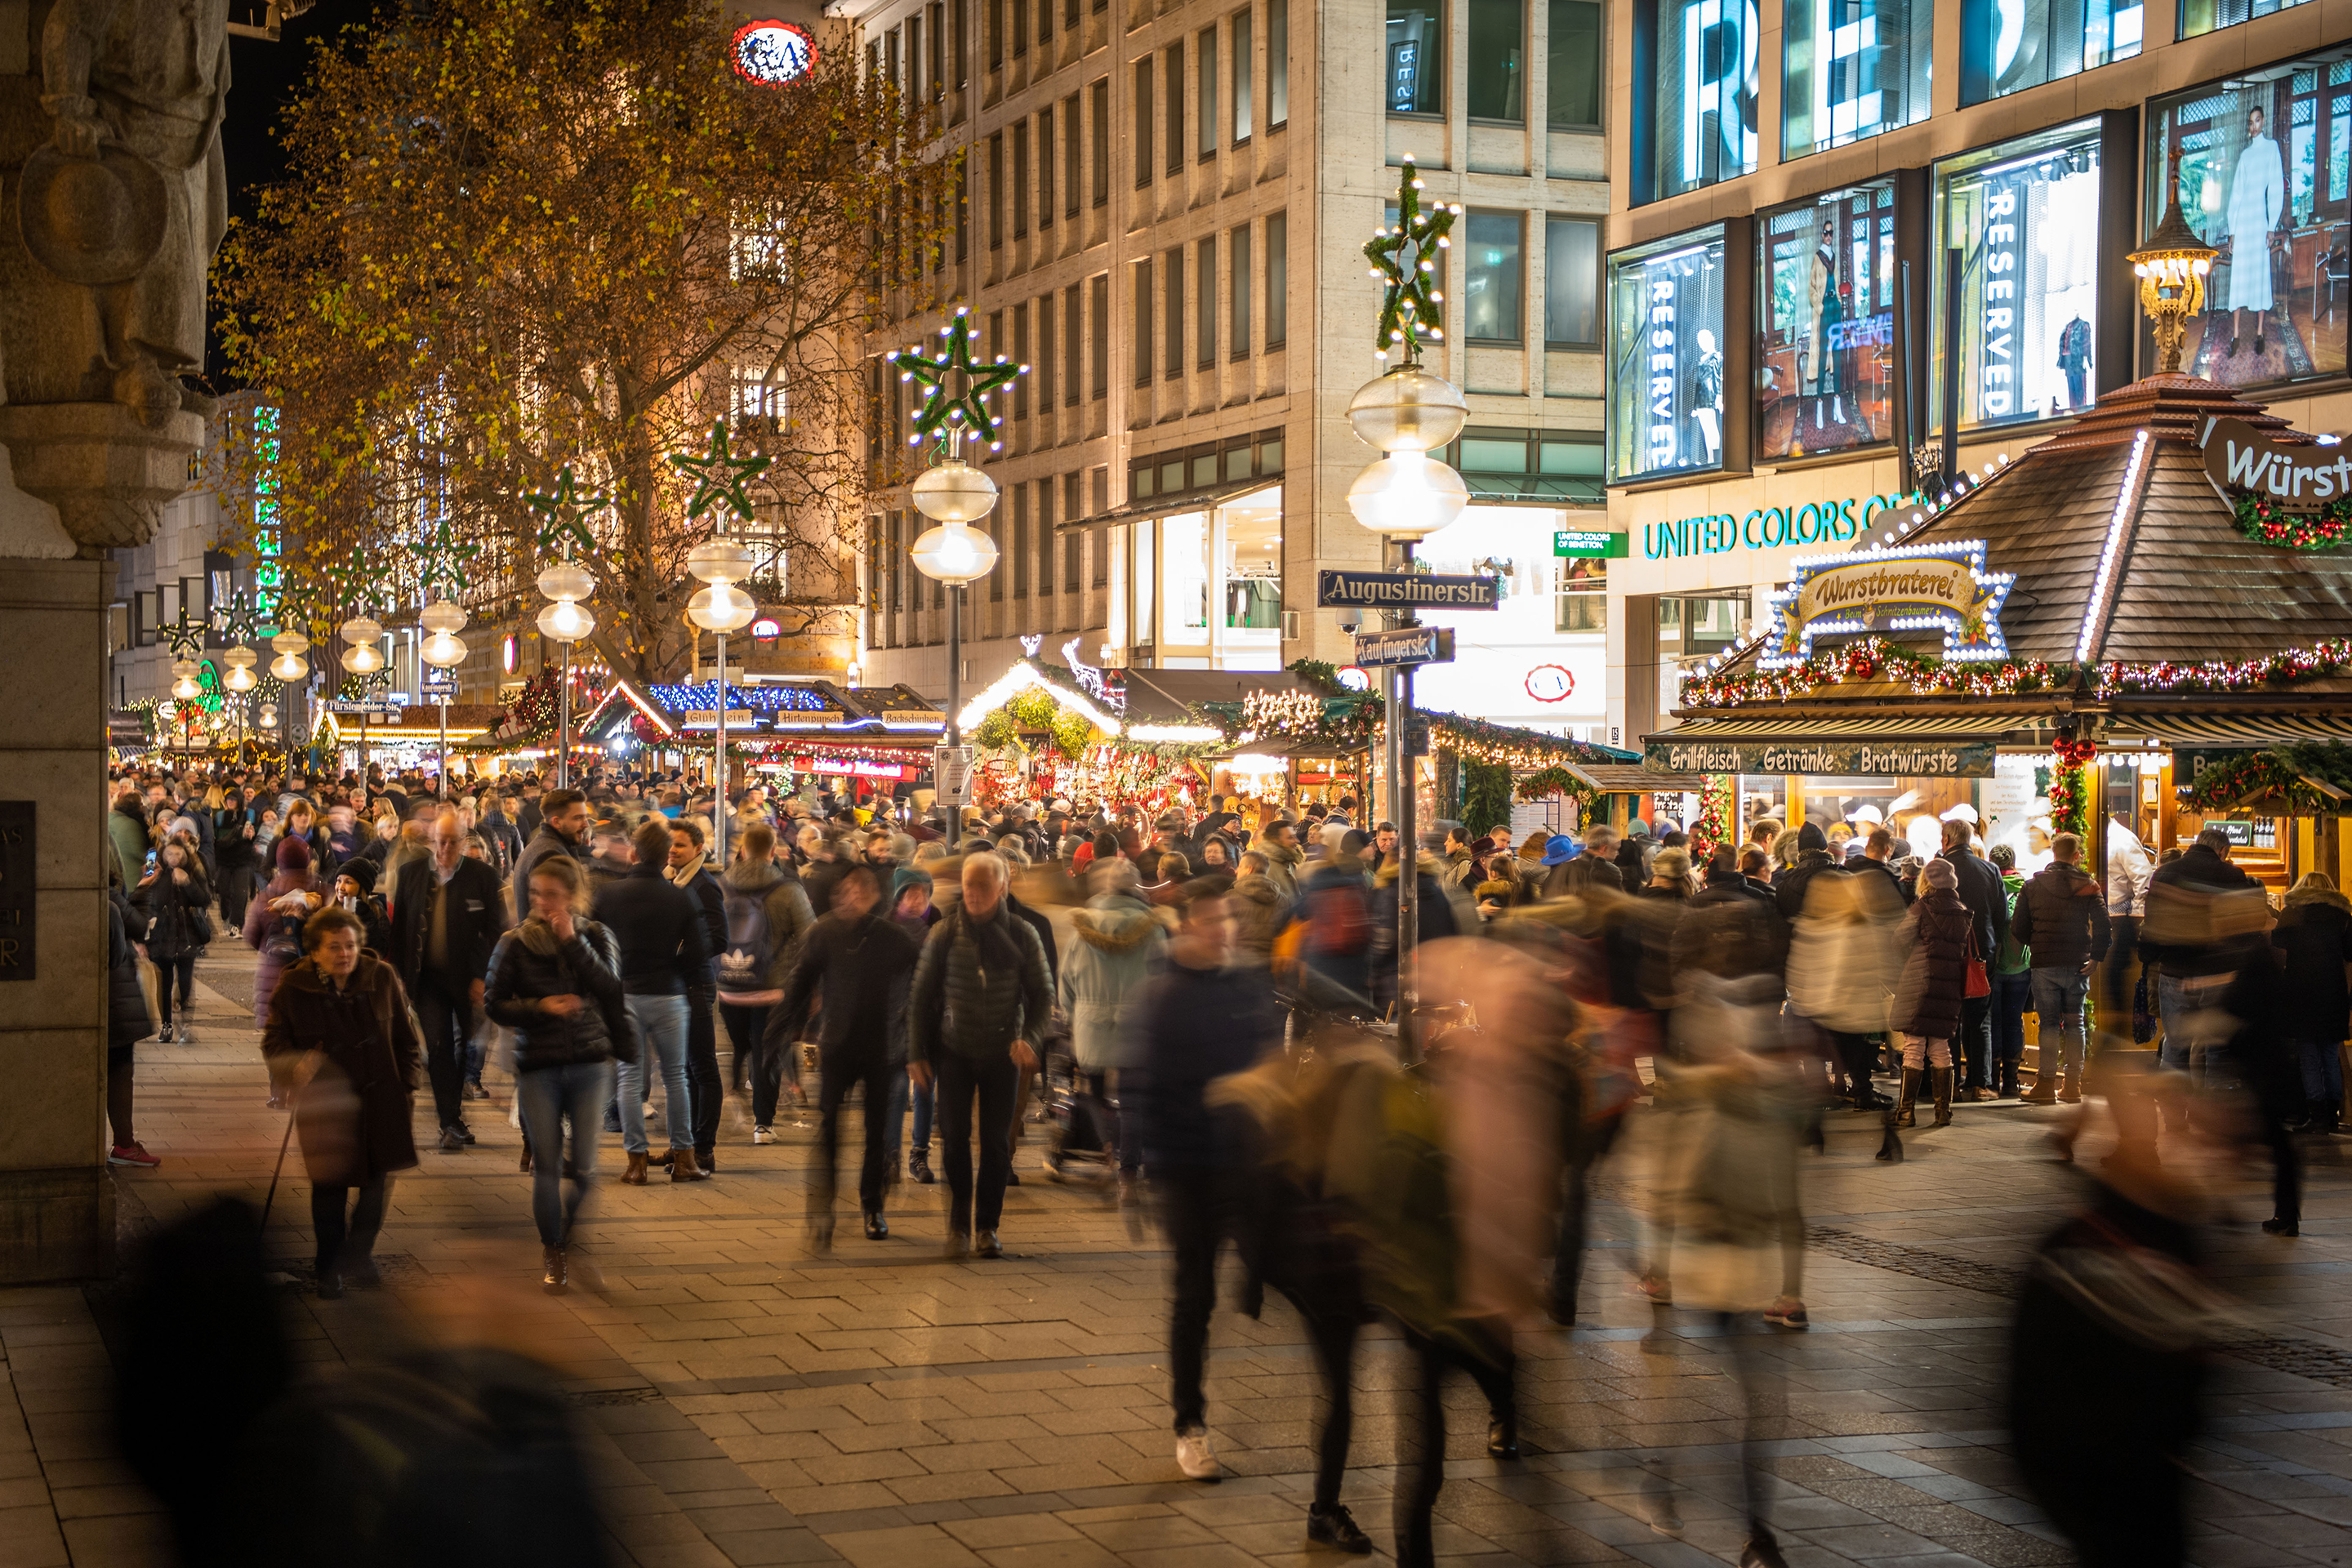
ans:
(363, 657)
(442, 621)
(565, 622)
(953, 495)
(2172, 269)
(718, 609)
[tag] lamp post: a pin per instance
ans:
(720, 608)
(2172, 269)
(361, 657)
(566, 621)
(238, 680)
(954, 495)
(442, 621)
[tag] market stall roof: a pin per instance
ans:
(1169, 696)
(1620, 780)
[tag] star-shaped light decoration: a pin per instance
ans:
(1404, 257)
(563, 515)
(441, 562)
(239, 618)
(718, 474)
(186, 635)
(357, 582)
(941, 411)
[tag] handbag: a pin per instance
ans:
(1979, 982)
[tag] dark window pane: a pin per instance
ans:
(1498, 65)
(1572, 86)
(1416, 57)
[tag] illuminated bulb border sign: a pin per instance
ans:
(1786, 647)
(771, 53)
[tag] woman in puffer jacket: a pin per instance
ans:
(1929, 996)
(555, 980)
(173, 898)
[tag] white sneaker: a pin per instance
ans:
(1195, 1458)
(762, 1135)
(187, 1037)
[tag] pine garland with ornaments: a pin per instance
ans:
(1716, 805)
(2070, 800)
(1875, 659)
(2264, 521)
(2276, 669)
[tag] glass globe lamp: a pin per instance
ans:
(954, 492)
(442, 650)
(721, 607)
(953, 553)
(719, 560)
(1408, 410)
(566, 620)
(1406, 495)
(441, 615)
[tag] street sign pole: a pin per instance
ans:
(1408, 840)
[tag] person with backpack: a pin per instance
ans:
(767, 916)
(273, 928)
(1335, 904)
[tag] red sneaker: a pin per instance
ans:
(132, 1154)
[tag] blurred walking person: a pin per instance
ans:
(448, 914)
(767, 918)
(555, 980)
(174, 900)
(1121, 940)
(663, 954)
(1937, 941)
(2062, 919)
(340, 1034)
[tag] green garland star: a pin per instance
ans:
(1410, 306)
(718, 474)
(565, 514)
(239, 618)
(941, 410)
(185, 636)
(441, 561)
(358, 583)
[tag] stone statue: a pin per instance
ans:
(126, 203)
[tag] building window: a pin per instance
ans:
(1498, 60)
(2266, 176)
(1582, 601)
(1572, 85)
(1099, 286)
(1021, 356)
(1207, 66)
(1102, 146)
(2198, 17)
(1277, 279)
(1019, 541)
(1044, 360)
(1529, 465)
(1416, 57)
(756, 242)
(996, 193)
(1143, 122)
(755, 401)
(1667, 394)
(1073, 539)
(1825, 345)
(1205, 465)
(996, 528)
(1571, 283)
(1174, 354)
(1141, 277)
(1695, 103)
(1239, 329)
(1277, 63)
(996, 34)
(1852, 68)
(1020, 179)
(2008, 45)
(2026, 216)
(1070, 164)
(1100, 479)
(1074, 348)
(1492, 277)
(1046, 167)
(1241, 77)
(1204, 303)
(1175, 107)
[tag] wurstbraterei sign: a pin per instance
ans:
(2298, 476)
(1942, 586)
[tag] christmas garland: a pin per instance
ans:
(1874, 658)
(2285, 770)
(2262, 520)
(1552, 781)
(2069, 801)
(2276, 669)
(1716, 808)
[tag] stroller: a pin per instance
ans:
(1082, 1122)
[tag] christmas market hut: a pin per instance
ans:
(2138, 628)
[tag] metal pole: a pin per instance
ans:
(950, 819)
(563, 725)
(1408, 846)
(443, 704)
(718, 798)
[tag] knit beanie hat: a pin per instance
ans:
(293, 854)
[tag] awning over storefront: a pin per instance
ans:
(2222, 730)
(1632, 778)
(1954, 745)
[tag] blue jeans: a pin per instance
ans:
(2011, 993)
(661, 1021)
(2058, 997)
(2186, 1004)
(902, 1091)
(549, 1098)
(2323, 1071)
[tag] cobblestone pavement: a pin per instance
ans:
(747, 1402)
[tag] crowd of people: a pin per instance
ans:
(1225, 1032)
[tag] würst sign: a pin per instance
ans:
(1904, 589)
(2300, 478)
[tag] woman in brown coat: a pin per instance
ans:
(1934, 940)
(341, 1033)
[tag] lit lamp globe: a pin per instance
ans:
(240, 662)
(719, 560)
(953, 553)
(184, 680)
(1408, 410)
(566, 620)
(290, 666)
(953, 493)
(441, 615)
(443, 650)
(721, 607)
(269, 717)
(1406, 495)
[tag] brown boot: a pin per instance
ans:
(682, 1167)
(1943, 1079)
(557, 1274)
(635, 1174)
(1908, 1100)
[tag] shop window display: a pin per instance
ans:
(2198, 17)
(1852, 68)
(1665, 324)
(2025, 218)
(2008, 45)
(1701, 94)
(1825, 350)
(2265, 163)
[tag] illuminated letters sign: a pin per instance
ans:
(1997, 374)
(1888, 759)
(2296, 478)
(1909, 589)
(1767, 528)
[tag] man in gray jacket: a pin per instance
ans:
(1120, 942)
(977, 1021)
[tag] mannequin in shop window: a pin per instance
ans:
(1707, 394)
(1822, 383)
(2257, 202)
(2074, 359)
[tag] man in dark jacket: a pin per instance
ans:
(2179, 933)
(2062, 917)
(977, 1019)
(1980, 889)
(448, 914)
(863, 962)
(1198, 1020)
(689, 868)
(664, 955)
(1877, 859)
(2314, 939)
(1570, 870)
(1813, 860)
(562, 830)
